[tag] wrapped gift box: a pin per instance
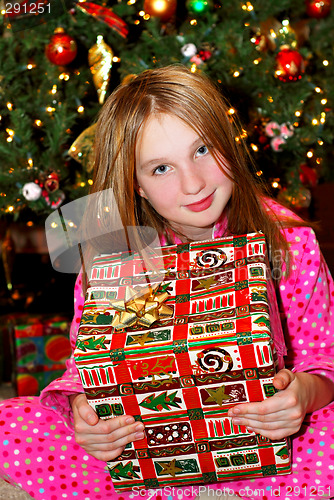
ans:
(178, 354)
(41, 347)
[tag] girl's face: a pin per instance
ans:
(179, 177)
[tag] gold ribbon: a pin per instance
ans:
(140, 307)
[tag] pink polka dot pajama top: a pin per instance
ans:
(38, 451)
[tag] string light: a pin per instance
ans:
(231, 111)
(64, 76)
(259, 173)
(323, 117)
(38, 123)
(193, 22)
(309, 154)
(54, 225)
(318, 90)
(50, 109)
(256, 61)
(90, 182)
(236, 74)
(297, 113)
(315, 121)
(325, 62)
(30, 162)
(10, 208)
(323, 101)
(320, 142)
(54, 89)
(248, 6)
(31, 66)
(193, 68)
(254, 147)
(30, 223)
(9, 106)
(80, 109)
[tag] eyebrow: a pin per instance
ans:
(163, 160)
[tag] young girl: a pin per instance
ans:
(167, 148)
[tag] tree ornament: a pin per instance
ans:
(31, 191)
(62, 48)
(318, 8)
(189, 50)
(82, 149)
(308, 175)
(299, 197)
(290, 65)
(51, 183)
(205, 55)
(198, 6)
(163, 9)
(100, 58)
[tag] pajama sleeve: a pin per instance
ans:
(55, 395)
(307, 299)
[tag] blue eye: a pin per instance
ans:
(203, 150)
(161, 169)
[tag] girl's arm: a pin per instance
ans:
(56, 394)
(307, 384)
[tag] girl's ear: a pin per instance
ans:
(139, 190)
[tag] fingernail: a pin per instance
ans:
(139, 435)
(139, 427)
(129, 420)
(235, 411)
(236, 421)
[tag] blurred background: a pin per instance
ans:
(59, 61)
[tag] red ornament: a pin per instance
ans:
(62, 48)
(163, 9)
(318, 8)
(308, 175)
(289, 65)
(205, 55)
(51, 183)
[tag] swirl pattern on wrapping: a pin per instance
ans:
(215, 359)
(213, 258)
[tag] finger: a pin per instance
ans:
(266, 407)
(85, 411)
(283, 378)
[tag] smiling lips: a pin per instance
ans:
(201, 205)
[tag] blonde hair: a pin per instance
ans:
(195, 100)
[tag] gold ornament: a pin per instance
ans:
(100, 58)
(82, 149)
(140, 307)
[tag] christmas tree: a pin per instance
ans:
(60, 60)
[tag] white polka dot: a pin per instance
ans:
(16, 452)
(312, 273)
(85, 457)
(304, 320)
(51, 478)
(39, 459)
(17, 463)
(300, 341)
(304, 352)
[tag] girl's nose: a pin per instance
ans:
(192, 180)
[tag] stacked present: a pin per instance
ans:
(177, 354)
(41, 347)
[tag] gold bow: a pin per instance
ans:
(140, 307)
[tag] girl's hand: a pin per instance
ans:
(103, 439)
(282, 414)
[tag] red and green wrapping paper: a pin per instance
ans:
(41, 348)
(178, 354)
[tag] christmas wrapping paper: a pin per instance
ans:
(41, 347)
(177, 354)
